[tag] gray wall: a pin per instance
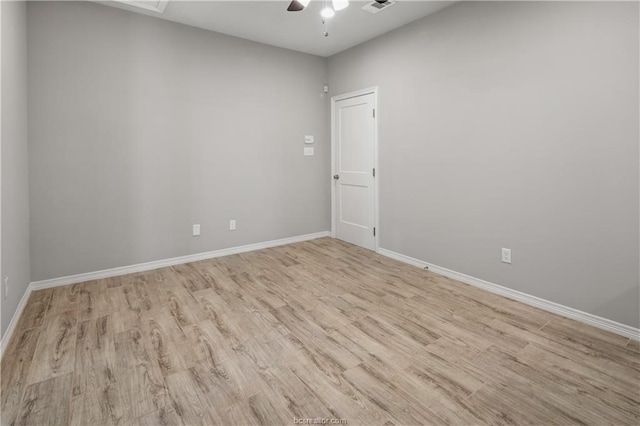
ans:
(512, 125)
(501, 125)
(140, 128)
(15, 175)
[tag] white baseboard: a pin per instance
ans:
(141, 267)
(14, 320)
(587, 318)
(157, 264)
(556, 308)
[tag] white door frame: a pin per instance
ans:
(374, 91)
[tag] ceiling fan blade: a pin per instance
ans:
(295, 6)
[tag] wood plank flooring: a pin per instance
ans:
(315, 330)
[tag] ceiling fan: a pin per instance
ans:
(298, 5)
(326, 12)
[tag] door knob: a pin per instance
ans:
(336, 177)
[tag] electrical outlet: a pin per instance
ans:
(506, 255)
(196, 230)
(232, 225)
(6, 287)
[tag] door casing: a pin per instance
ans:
(334, 100)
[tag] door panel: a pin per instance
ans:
(354, 160)
(352, 198)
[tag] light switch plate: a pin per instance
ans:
(506, 255)
(308, 139)
(196, 230)
(309, 151)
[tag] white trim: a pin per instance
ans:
(369, 91)
(333, 168)
(14, 320)
(354, 94)
(556, 308)
(157, 264)
(376, 178)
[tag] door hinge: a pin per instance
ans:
(374, 113)
(374, 231)
(374, 172)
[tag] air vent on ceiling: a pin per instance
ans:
(375, 7)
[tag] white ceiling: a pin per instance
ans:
(267, 21)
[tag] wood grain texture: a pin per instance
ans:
(318, 329)
(98, 407)
(46, 402)
(64, 299)
(95, 356)
(35, 310)
(55, 351)
(138, 377)
(93, 300)
(15, 370)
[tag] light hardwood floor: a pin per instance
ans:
(319, 329)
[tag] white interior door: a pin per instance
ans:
(354, 156)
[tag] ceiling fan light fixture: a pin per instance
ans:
(327, 13)
(340, 4)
